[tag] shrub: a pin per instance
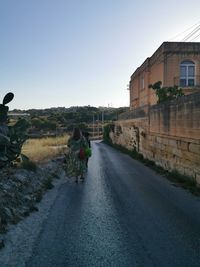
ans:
(106, 133)
(29, 165)
(166, 93)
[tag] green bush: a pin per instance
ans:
(29, 165)
(166, 93)
(48, 184)
(106, 133)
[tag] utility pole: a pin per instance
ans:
(93, 127)
(102, 121)
(98, 125)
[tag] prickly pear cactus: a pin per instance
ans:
(11, 137)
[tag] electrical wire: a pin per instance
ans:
(184, 31)
(187, 37)
(195, 37)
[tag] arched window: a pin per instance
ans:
(187, 73)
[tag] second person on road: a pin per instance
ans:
(76, 163)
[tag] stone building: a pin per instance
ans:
(167, 133)
(173, 63)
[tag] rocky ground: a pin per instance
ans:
(21, 190)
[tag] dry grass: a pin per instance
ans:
(44, 149)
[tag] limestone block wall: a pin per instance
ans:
(180, 118)
(169, 135)
(171, 153)
(125, 134)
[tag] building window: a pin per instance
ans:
(187, 73)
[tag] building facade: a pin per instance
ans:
(173, 63)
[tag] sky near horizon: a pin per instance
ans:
(62, 53)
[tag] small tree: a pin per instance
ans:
(166, 93)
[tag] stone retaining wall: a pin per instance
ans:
(169, 135)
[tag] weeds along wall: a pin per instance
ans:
(169, 135)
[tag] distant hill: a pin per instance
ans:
(64, 119)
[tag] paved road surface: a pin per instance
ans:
(122, 215)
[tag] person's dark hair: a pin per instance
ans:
(76, 134)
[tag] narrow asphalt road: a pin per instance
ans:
(124, 214)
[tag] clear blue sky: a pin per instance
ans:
(56, 53)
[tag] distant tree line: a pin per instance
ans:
(54, 119)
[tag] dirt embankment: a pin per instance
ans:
(21, 190)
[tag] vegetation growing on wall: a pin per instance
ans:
(166, 93)
(178, 179)
(106, 133)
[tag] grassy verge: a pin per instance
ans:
(44, 149)
(188, 183)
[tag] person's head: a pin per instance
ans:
(76, 134)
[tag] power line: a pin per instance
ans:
(184, 31)
(196, 37)
(187, 37)
(196, 31)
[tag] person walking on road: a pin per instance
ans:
(88, 151)
(76, 162)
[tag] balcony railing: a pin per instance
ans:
(187, 82)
